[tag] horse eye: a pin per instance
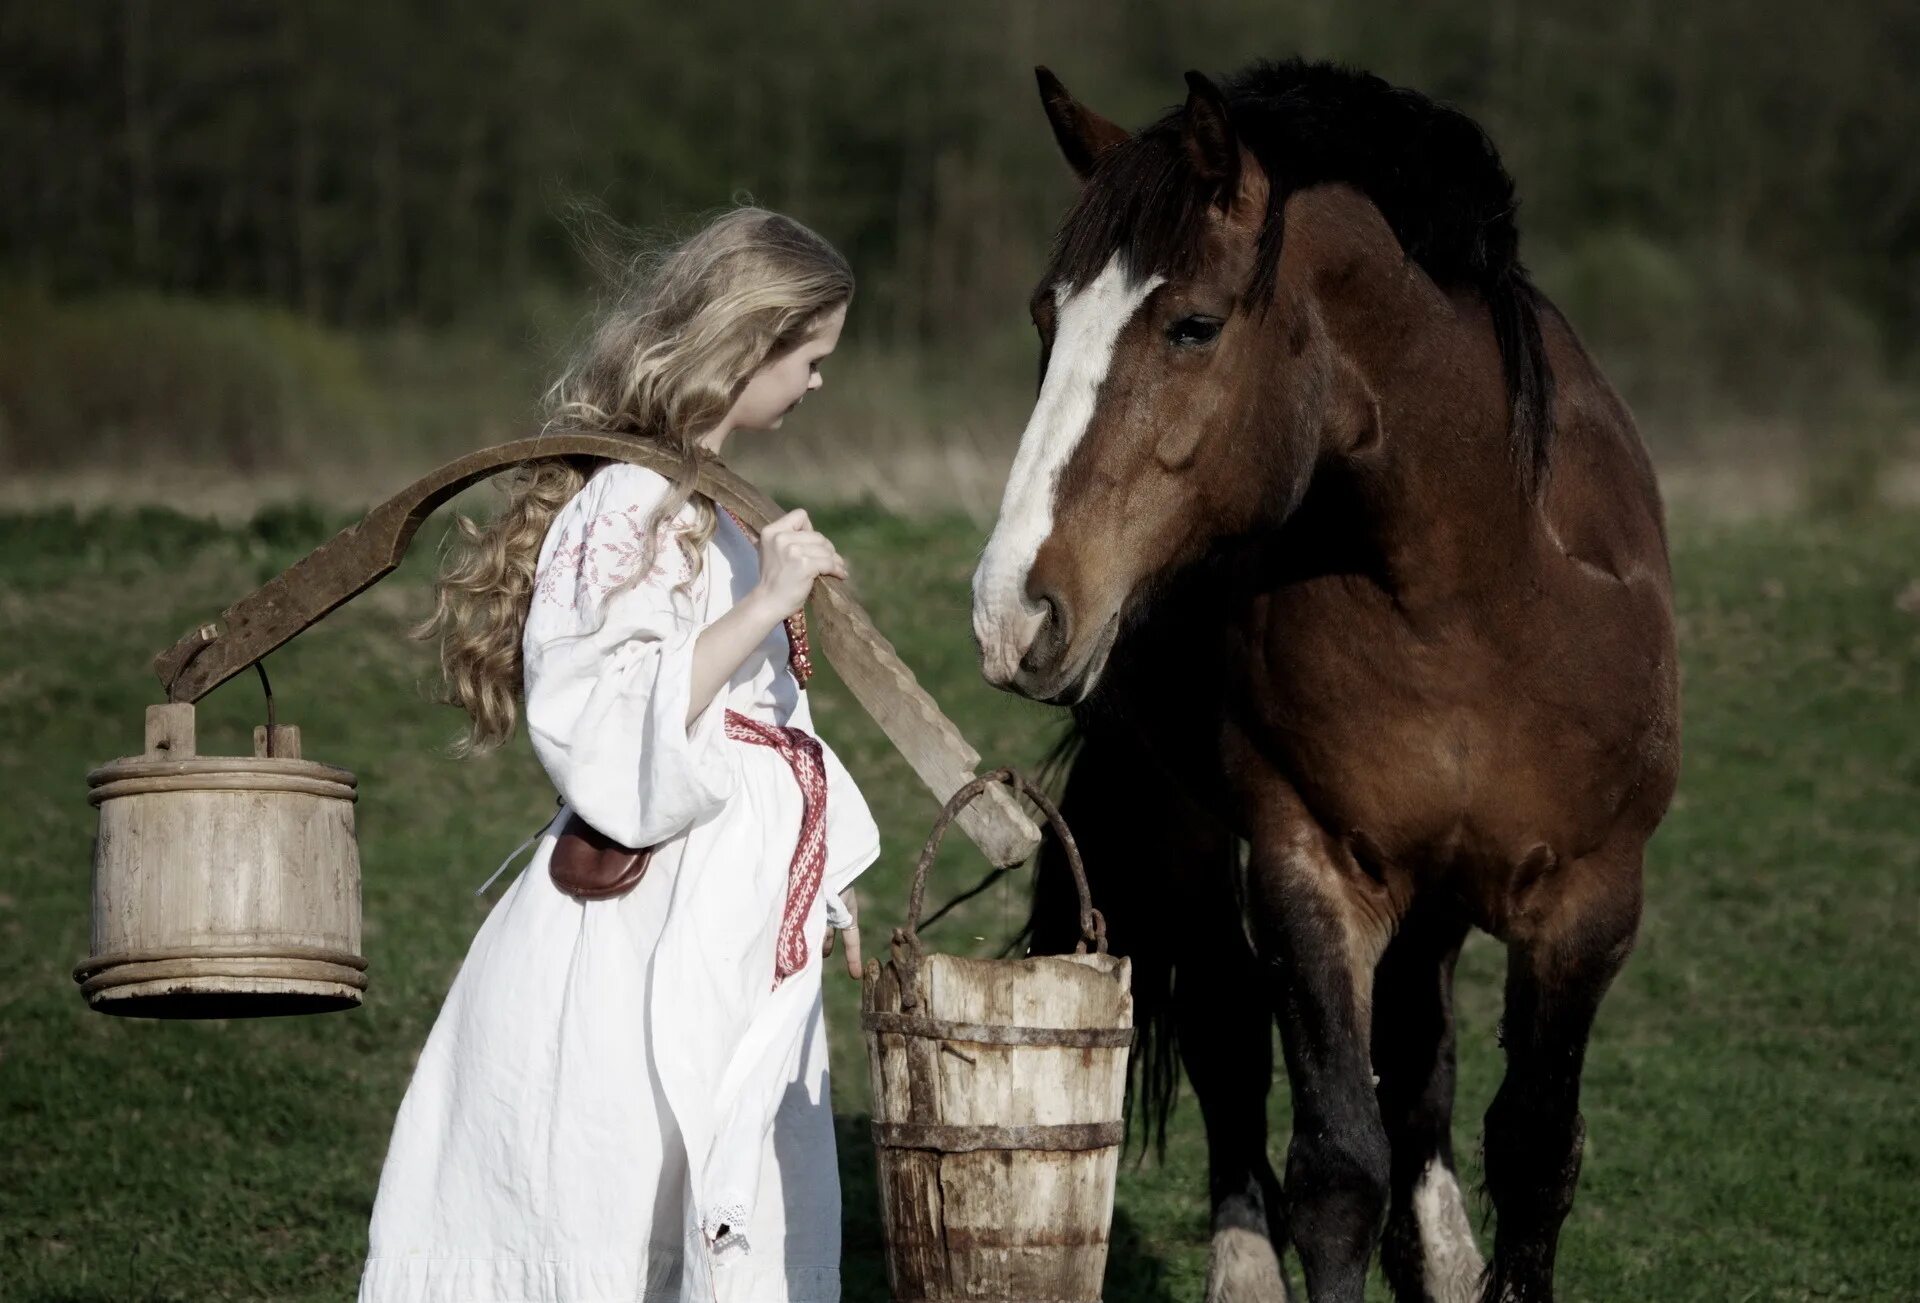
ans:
(1192, 332)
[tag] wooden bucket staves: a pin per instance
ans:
(223, 886)
(997, 1094)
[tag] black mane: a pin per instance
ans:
(1430, 170)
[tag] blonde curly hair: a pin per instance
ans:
(692, 324)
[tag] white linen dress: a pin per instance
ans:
(609, 1084)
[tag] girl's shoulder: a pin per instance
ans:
(623, 484)
(597, 542)
(625, 490)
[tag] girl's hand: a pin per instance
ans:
(792, 555)
(852, 931)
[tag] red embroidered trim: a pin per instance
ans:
(801, 750)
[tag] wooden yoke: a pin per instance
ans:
(358, 557)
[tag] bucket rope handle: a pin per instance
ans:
(906, 939)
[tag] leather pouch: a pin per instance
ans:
(589, 866)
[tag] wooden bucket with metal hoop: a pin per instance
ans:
(997, 1094)
(223, 886)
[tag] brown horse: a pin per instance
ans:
(1352, 567)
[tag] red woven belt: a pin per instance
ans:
(801, 750)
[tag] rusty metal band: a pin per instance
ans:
(949, 1139)
(990, 1034)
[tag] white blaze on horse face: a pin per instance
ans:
(1088, 322)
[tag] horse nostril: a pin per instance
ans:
(1051, 637)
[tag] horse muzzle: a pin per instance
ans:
(1034, 653)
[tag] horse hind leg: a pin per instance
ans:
(1427, 1252)
(1224, 1030)
(1574, 929)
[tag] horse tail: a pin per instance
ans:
(1098, 795)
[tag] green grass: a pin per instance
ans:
(1749, 1090)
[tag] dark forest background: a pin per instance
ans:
(251, 237)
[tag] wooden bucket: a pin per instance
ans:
(997, 1096)
(223, 886)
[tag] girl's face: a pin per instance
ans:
(784, 380)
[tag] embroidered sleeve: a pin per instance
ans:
(607, 655)
(593, 556)
(853, 838)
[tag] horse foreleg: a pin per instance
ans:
(1569, 935)
(1319, 925)
(1428, 1251)
(1225, 1033)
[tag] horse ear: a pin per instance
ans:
(1082, 133)
(1213, 148)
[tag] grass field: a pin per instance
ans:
(1750, 1090)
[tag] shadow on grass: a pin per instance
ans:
(1134, 1273)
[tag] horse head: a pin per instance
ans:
(1189, 385)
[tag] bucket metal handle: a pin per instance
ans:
(906, 939)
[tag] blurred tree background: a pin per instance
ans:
(251, 237)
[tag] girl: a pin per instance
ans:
(627, 1099)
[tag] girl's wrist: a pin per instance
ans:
(762, 608)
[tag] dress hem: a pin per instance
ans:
(458, 1279)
